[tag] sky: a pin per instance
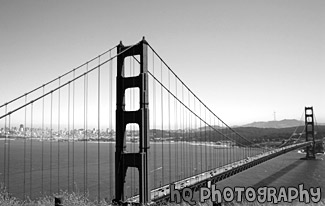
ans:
(244, 59)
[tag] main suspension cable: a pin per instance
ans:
(195, 95)
(65, 84)
(65, 74)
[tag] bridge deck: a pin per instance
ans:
(207, 178)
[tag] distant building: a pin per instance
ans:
(21, 128)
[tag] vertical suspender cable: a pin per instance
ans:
(189, 146)
(176, 131)
(214, 140)
(227, 150)
(228, 146)
(169, 136)
(225, 143)
(31, 153)
(183, 127)
(43, 142)
(25, 139)
(59, 135)
(205, 137)
(73, 131)
(195, 138)
(249, 150)
(180, 134)
(110, 117)
(211, 140)
(51, 140)
(69, 132)
(219, 155)
(189, 136)
(232, 146)
(224, 152)
(236, 151)
(85, 131)
(185, 138)
(154, 122)
(98, 133)
(201, 140)
(162, 127)
(185, 135)
(5, 150)
(8, 168)
(223, 160)
(188, 162)
(186, 129)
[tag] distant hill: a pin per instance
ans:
(276, 124)
(253, 134)
(212, 127)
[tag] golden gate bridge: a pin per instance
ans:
(124, 127)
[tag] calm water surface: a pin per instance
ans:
(34, 169)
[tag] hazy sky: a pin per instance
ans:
(244, 59)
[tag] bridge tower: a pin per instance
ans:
(310, 132)
(123, 159)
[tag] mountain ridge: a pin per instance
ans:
(276, 124)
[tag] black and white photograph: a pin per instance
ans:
(216, 102)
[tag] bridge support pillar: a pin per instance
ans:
(123, 159)
(310, 132)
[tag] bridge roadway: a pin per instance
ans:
(207, 178)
